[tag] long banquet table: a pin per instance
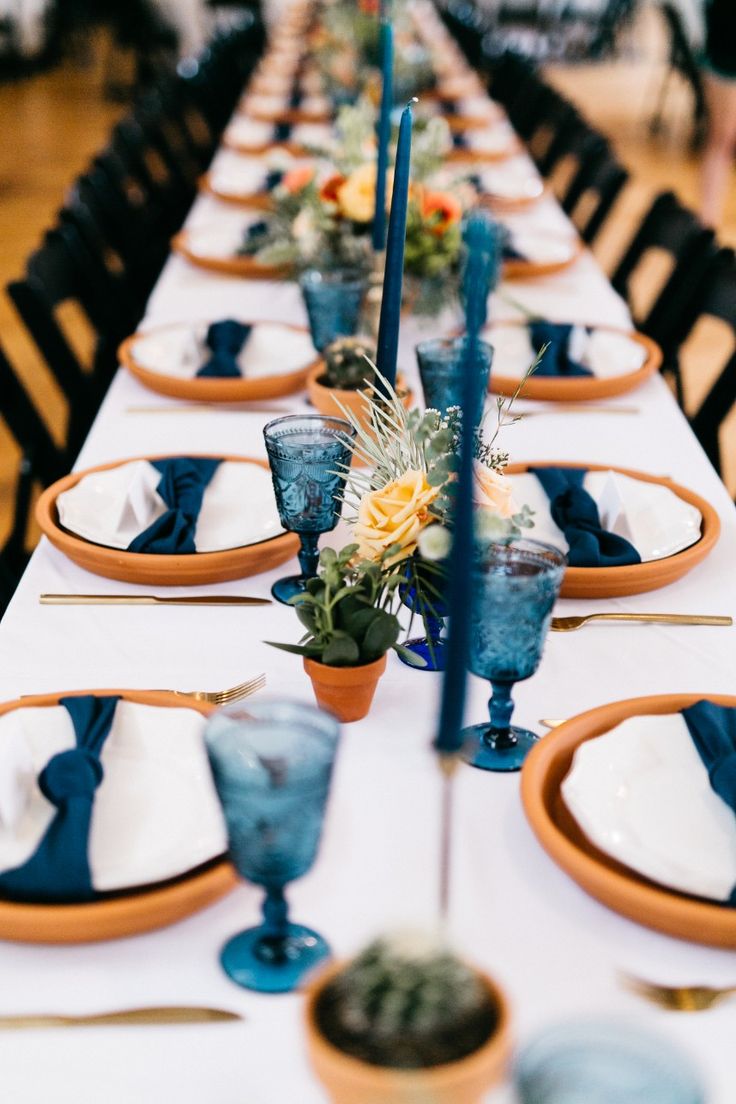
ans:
(557, 952)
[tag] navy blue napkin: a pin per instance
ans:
(576, 513)
(254, 238)
(556, 360)
(226, 340)
(282, 132)
(511, 253)
(182, 486)
(713, 731)
(273, 179)
(58, 870)
(295, 98)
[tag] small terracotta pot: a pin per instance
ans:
(326, 399)
(346, 692)
(350, 1081)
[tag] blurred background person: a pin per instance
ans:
(720, 90)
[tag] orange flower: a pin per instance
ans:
(442, 210)
(329, 190)
(369, 7)
(295, 180)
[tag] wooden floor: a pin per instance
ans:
(55, 122)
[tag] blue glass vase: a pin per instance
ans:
(514, 589)
(440, 362)
(309, 457)
(423, 594)
(272, 765)
(604, 1063)
(333, 300)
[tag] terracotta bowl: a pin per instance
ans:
(614, 582)
(252, 201)
(245, 267)
(611, 883)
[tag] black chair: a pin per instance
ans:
(672, 238)
(594, 184)
(717, 299)
(682, 62)
(41, 462)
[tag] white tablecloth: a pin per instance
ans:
(556, 951)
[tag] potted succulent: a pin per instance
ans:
(407, 1021)
(343, 379)
(346, 610)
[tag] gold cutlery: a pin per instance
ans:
(150, 600)
(575, 408)
(678, 998)
(172, 1014)
(569, 624)
(223, 697)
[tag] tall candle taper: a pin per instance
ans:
(383, 134)
(480, 267)
(393, 279)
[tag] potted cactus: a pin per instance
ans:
(340, 381)
(346, 610)
(405, 1022)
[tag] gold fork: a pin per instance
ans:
(569, 624)
(223, 697)
(678, 998)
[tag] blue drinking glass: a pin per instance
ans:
(272, 765)
(333, 300)
(309, 457)
(423, 594)
(604, 1062)
(514, 589)
(440, 362)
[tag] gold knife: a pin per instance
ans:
(171, 1014)
(150, 600)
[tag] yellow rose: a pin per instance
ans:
(493, 491)
(357, 196)
(395, 514)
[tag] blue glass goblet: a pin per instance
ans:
(604, 1062)
(514, 590)
(272, 764)
(423, 593)
(333, 300)
(309, 457)
(440, 362)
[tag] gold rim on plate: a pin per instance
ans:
(125, 913)
(195, 569)
(614, 582)
(610, 882)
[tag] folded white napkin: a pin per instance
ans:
(515, 178)
(219, 241)
(272, 349)
(492, 139)
(605, 353)
(641, 794)
(238, 175)
(113, 507)
(648, 515)
(156, 813)
(243, 131)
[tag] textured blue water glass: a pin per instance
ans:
(309, 457)
(440, 363)
(423, 594)
(333, 300)
(272, 765)
(604, 1063)
(514, 590)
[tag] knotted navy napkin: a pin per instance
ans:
(226, 340)
(282, 132)
(576, 514)
(58, 870)
(254, 238)
(712, 729)
(273, 179)
(295, 98)
(182, 486)
(556, 360)
(449, 107)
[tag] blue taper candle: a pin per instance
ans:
(393, 277)
(383, 134)
(481, 263)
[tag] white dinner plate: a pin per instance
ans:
(641, 794)
(221, 240)
(541, 247)
(494, 139)
(243, 131)
(648, 515)
(156, 814)
(606, 353)
(234, 174)
(513, 179)
(180, 350)
(112, 507)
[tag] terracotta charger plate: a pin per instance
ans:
(509, 205)
(518, 269)
(124, 913)
(621, 889)
(290, 115)
(206, 389)
(245, 267)
(254, 201)
(614, 582)
(143, 567)
(579, 388)
(462, 153)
